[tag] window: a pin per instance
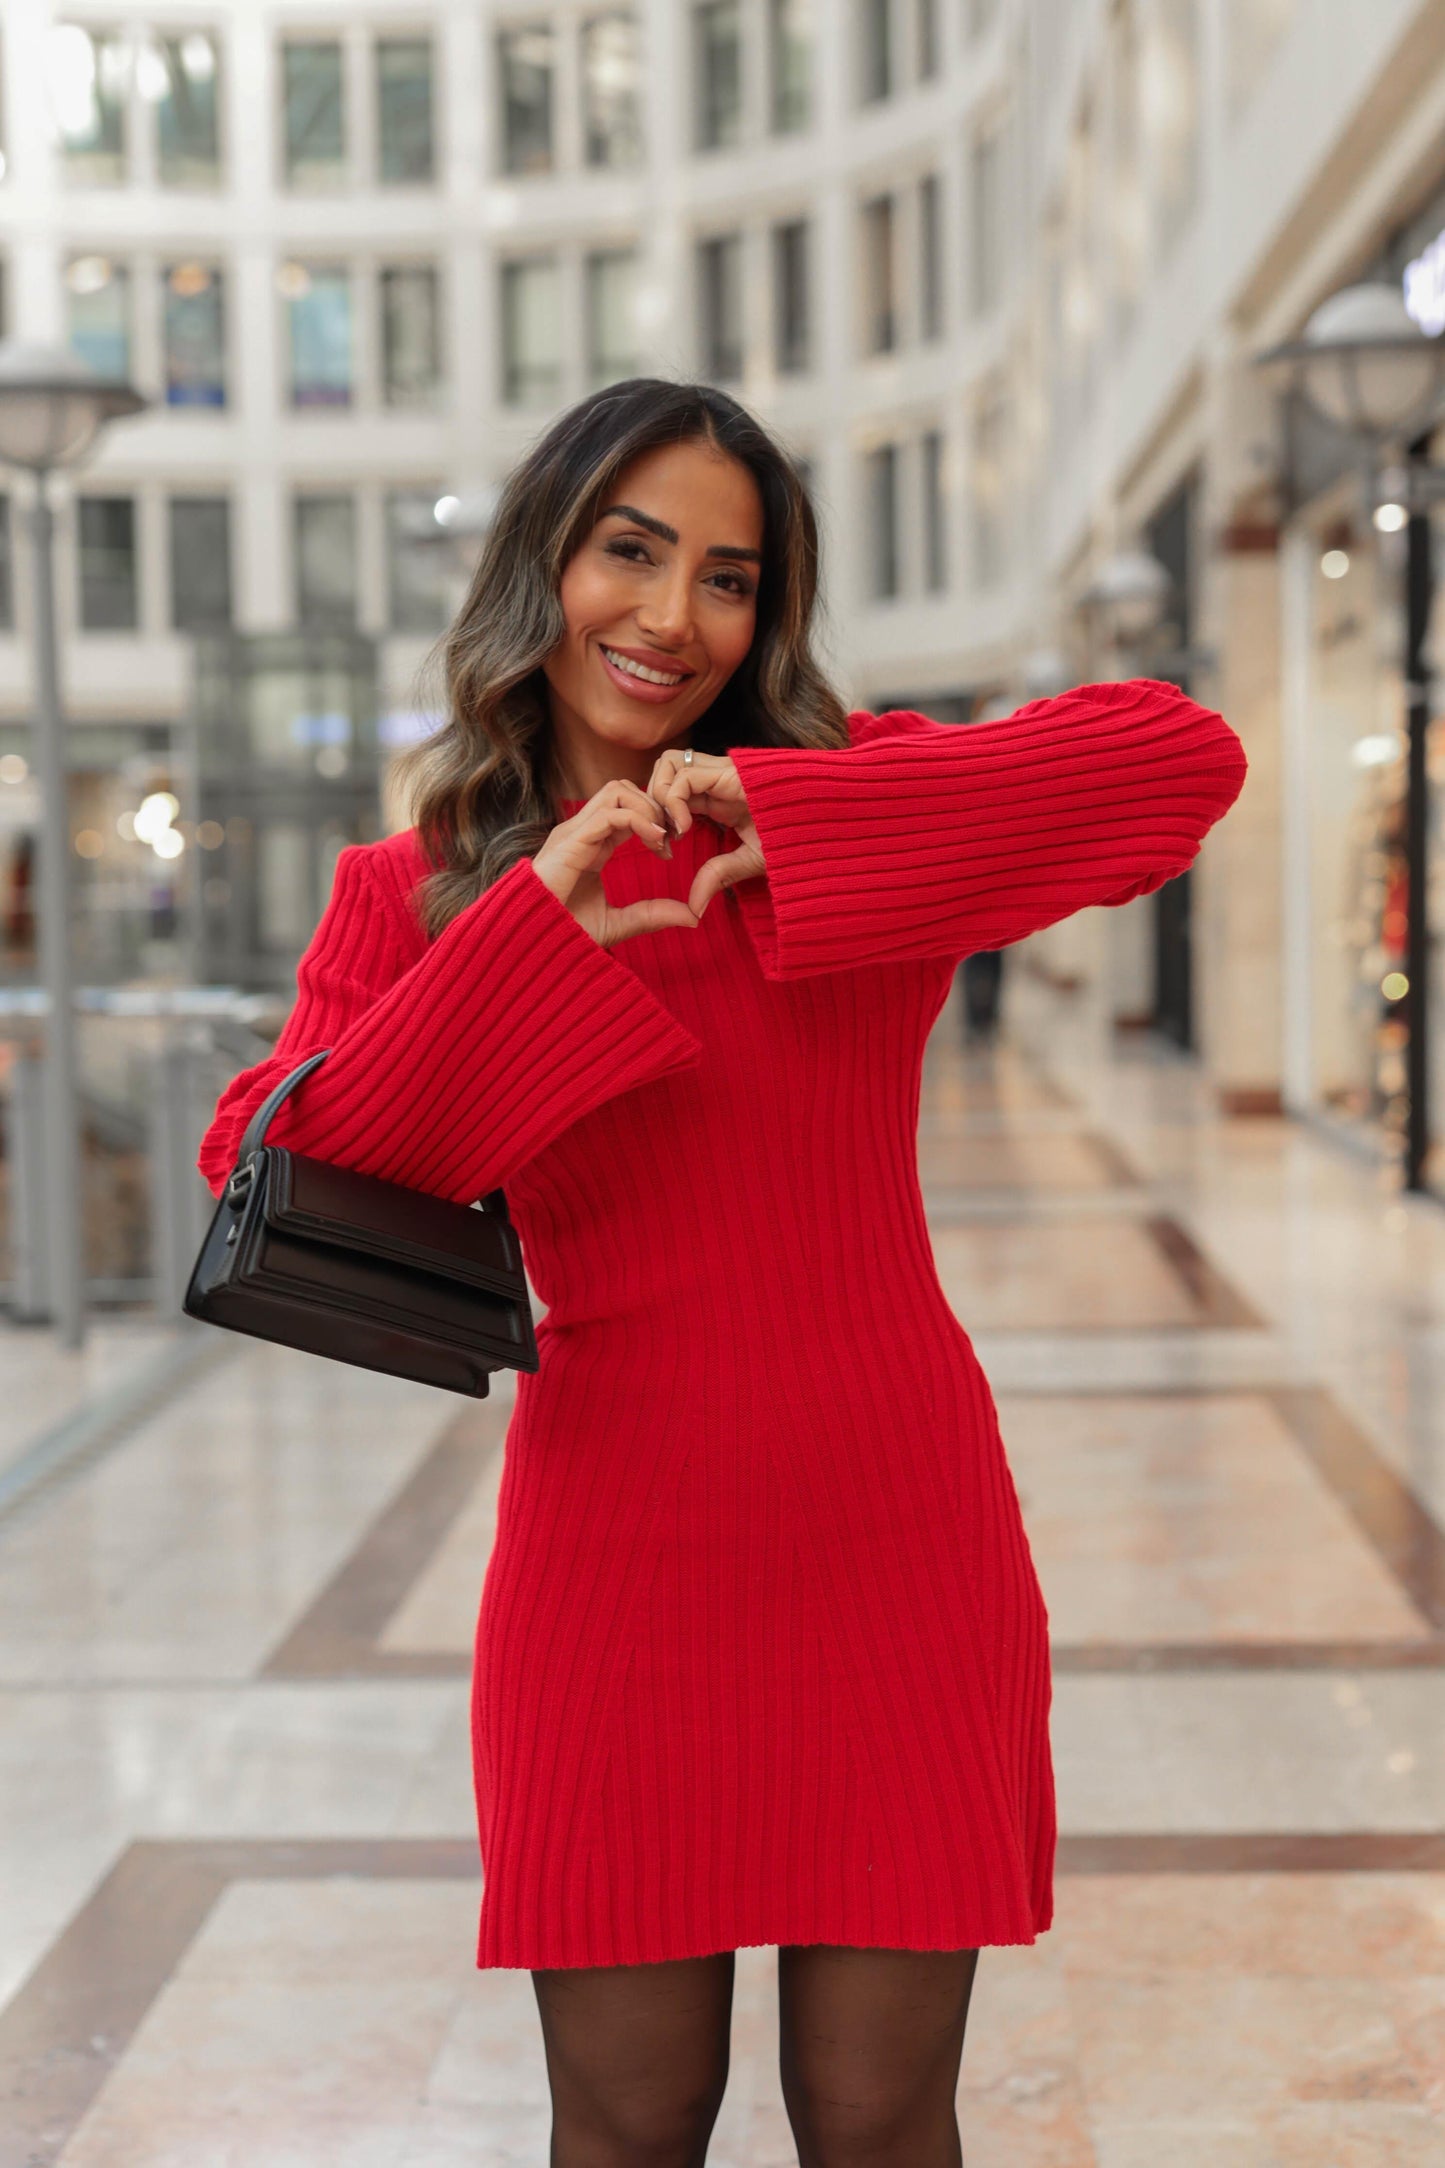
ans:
(1254, 30)
(318, 300)
(195, 336)
(925, 36)
(325, 560)
(1172, 112)
(720, 297)
(718, 72)
(791, 298)
(410, 335)
(611, 315)
(416, 596)
(882, 477)
(7, 568)
(935, 524)
(315, 126)
(200, 541)
(875, 49)
(404, 109)
(930, 257)
(97, 299)
(87, 74)
(531, 331)
(880, 311)
(186, 68)
(986, 223)
(106, 528)
(526, 60)
(790, 46)
(987, 494)
(611, 73)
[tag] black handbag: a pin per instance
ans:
(365, 1271)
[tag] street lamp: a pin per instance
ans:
(1364, 364)
(52, 409)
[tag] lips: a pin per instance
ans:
(644, 676)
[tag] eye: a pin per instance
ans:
(629, 547)
(739, 584)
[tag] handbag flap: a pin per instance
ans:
(310, 1197)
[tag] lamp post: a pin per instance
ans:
(52, 409)
(1365, 365)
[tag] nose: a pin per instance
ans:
(666, 616)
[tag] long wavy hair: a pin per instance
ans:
(482, 790)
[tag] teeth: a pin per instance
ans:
(638, 669)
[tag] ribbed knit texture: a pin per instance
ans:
(761, 1654)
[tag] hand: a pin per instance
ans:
(709, 785)
(571, 859)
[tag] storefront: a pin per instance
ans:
(1356, 592)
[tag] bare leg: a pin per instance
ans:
(637, 2059)
(871, 2044)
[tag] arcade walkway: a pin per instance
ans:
(237, 1897)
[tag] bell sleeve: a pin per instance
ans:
(451, 1067)
(925, 839)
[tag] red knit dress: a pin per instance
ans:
(761, 1655)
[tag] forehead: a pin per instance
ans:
(693, 487)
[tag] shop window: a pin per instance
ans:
(7, 566)
(325, 538)
(718, 74)
(87, 72)
(875, 50)
(883, 524)
(612, 315)
(935, 513)
(315, 117)
(415, 568)
(880, 298)
(97, 299)
(106, 529)
(930, 257)
(611, 76)
(526, 66)
(318, 309)
(531, 331)
(186, 70)
(410, 335)
(790, 52)
(404, 109)
(791, 298)
(200, 546)
(720, 298)
(195, 336)
(986, 235)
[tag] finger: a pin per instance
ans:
(716, 874)
(609, 823)
(649, 916)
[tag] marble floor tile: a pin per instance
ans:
(1063, 1275)
(441, 1610)
(1047, 1162)
(1191, 1517)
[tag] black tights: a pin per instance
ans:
(871, 2040)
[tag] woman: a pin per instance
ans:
(761, 1656)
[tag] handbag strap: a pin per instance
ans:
(260, 1121)
(494, 1201)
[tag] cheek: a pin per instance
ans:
(585, 594)
(728, 645)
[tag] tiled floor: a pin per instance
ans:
(237, 1853)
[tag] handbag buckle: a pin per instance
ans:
(239, 1186)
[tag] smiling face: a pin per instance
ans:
(660, 603)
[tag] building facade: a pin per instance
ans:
(996, 270)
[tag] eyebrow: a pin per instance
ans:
(665, 533)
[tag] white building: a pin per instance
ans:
(996, 269)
